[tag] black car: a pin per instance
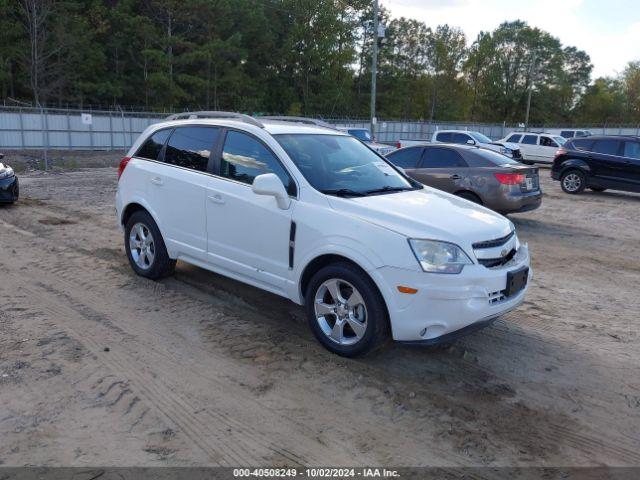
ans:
(9, 186)
(598, 163)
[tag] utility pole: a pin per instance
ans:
(374, 67)
(532, 71)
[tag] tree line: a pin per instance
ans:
(299, 57)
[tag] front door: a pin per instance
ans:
(248, 234)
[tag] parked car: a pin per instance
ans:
(570, 132)
(536, 147)
(9, 184)
(464, 137)
(476, 174)
(313, 215)
(598, 163)
(364, 135)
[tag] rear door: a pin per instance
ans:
(442, 168)
(631, 155)
(529, 147)
(177, 189)
(248, 234)
(606, 162)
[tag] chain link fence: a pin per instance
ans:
(27, 128)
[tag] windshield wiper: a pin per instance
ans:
(388, 189)
(344, 192)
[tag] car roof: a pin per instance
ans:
(274, 127)
(455, 146)
(608, 137)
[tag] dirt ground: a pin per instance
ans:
(100, 367)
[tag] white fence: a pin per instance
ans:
(69, 129)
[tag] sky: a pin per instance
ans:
(608, 30)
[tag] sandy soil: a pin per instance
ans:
(100, 367)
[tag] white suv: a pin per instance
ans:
(312, 214)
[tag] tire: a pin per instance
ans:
(597, 189)
(332, 320)
(150, 259)
(472, 197)
(573, 181)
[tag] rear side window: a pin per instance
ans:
(607, 147)
(406, 157)
(153, 146)
(567, 133)
(442, 158)
(488, 158)
(530, 140)
(632, 149)
(514, 138)
(581, 144)
(191, 147)
(548, 142)
(461, 138)
(244, 158)
(445, 137)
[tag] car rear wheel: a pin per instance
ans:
(145, 247)
(472, 197)
(572, 181)
(345, 310)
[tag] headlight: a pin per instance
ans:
(6, 172)
(439, 257)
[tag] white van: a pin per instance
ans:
(536, 147)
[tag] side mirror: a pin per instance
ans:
(470, 142)
(270, 184)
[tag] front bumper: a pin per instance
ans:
(445, 304)
(9, 189)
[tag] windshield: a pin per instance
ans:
(560, 140)
(341, 165)
(478, 137)
(361, 134)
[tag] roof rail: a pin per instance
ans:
(215, 114)
(306, 120)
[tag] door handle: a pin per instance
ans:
(156, 181)
(217, 198)
(455, 176)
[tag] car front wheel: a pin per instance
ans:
(345, 310)
(573, 181)
(145, 247)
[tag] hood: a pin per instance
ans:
(509, 145)
(427, 214)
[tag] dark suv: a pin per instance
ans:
(598, 163)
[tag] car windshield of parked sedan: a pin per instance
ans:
(342, 165)
(560, 140)
(478, 137)
(361, 134)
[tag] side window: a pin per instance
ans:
(607, 147)
(406, 157)
(152, 147)
(244, 158)
(582, 144)
(445, 137)
(190, 147)
(566, 134)
(442, 158)
(632, 150)
(548, 142)
(461, 138)
(530, 140)
(514, 138)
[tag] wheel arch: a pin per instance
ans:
(139, 205)
(471, 192)
(575, 164)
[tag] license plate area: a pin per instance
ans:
(529, 183)
(516, 281)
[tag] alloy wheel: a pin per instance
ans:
(572, 182)
(340, 311)
(142, 246)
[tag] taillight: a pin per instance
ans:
(560, 151)
(122, 166)
(510, 178)
(398, 145)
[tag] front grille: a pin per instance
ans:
(494, 243)
(497, 262)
